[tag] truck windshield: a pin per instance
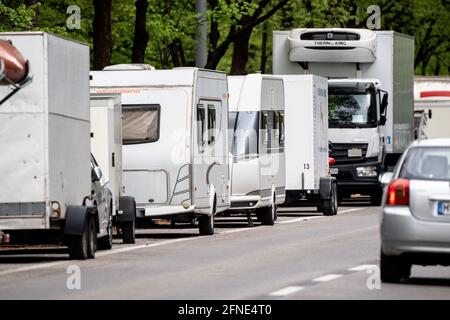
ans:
(245, 135)
(352, 109)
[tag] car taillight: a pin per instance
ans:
(398, 193)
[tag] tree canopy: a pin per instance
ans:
(163, 33)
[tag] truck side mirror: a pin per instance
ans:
(96, 174)
(383, 108)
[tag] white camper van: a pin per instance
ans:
(106, 146)
(46, 170)
(432, 95)
(370, 96)
(175, 151)
(308, 182)
(258, 144)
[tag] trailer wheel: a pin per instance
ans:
(393, 269)
(330, 206)
(266, 215)
(92, 238)
(78, 245)
(206, 222)
(106, 242)
(128, 206)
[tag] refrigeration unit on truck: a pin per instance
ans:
(46, 170)
(308, 181)
(258, 138)
(106, 145)
(370, 92)
(432, 100)
(175, 150)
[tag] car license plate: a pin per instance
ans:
(443, 208)
(334, 171)
(354, 152)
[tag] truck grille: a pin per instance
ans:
(339, 152)
(330, 36)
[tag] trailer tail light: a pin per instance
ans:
(398, 193)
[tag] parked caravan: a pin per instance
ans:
(106, 145)
(258, 145)
(370, 97)
(175, 151)
(308, 181)
(47, 174)
(432, 100)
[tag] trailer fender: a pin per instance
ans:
(128, 207)
(326, 186)
(76, 217)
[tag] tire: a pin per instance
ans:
(92, 238)
(393, 268)
(78, 245)
(376, 197)
(330, 206)
(128, 232)
(266, 215)
(128, 205)
(206, 225)
(106, 242)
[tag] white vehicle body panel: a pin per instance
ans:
(41, 133)
(174, 169)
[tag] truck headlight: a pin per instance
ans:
(370, 171)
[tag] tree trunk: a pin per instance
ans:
(102, 34)
(141, 36)
(240, 53)
(263, 49)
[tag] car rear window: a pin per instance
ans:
(427, 163)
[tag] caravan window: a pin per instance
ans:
(281, 128)
(231, 125)
(201, 125)
(245, 135)
(212, 124)
(265, 132)
(140, 123)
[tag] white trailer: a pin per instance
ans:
(370, 96)
(175, 150)
(432, 95)
(258, 159)
(45, 172)
(308, 182)
(106, 146)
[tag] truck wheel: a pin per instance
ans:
(376, 197)
(128, 232)
(92, 238)
(266, 215)
(206, 225)
(78, 245)
(330, 206)
(393, 269)
(106, 242)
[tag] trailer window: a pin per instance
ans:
(281, 128)
(140, 123)
(212, 124)
(201, 125)
(245, 135)
(231, 125)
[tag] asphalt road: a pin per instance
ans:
(304, 256)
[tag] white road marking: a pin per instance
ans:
(352, 210)
(362, 267)
(327, 277)
(286, 291)
(32, 267)
(236, 230)
(299, 219)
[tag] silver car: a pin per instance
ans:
(415, 226)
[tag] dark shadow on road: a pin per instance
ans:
(439, 282)
(165, 235)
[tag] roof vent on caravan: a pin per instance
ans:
(332, 45)
(129, 67)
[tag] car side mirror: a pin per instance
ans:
(386, 178)
(96, 174)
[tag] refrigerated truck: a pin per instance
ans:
(106, 146)
(308, 180)
(370, 92)
(432, 99)
(45, 170)
(258, 152)
(175, 149)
